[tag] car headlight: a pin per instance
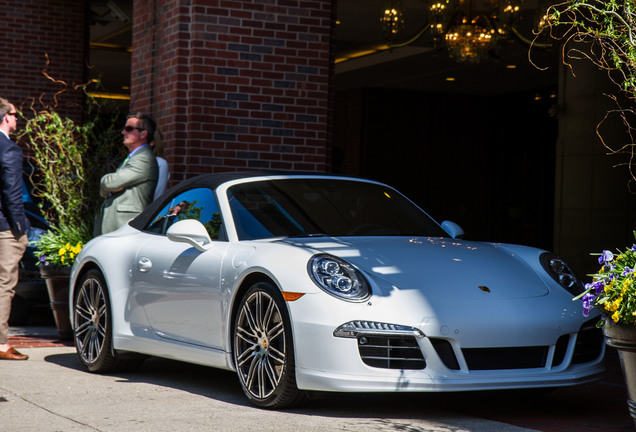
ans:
(561, 273)
(338, 278)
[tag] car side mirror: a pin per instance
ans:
(192, 232)
(454, 230)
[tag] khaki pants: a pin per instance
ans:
(11, 250)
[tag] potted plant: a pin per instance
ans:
(613, 293)
(603, 33)
(68, 160)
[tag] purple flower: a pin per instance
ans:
(605, 257)
(634, 248)
(627, 271)
(597, 287)
(588, 303)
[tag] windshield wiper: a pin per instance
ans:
(308, 235)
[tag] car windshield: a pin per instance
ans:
(325, 207)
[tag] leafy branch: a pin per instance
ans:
(606, 27)
(602, 32)
(68, 159)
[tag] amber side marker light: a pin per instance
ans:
(292, 296)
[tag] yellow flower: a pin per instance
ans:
(626, 285)
(62, 251)
(613, 305)
(77, 248)
(615, 316)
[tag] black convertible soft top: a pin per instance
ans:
(212, 181)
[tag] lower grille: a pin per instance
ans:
(560, 349)
(445, 352)
(391, 352)
(505, 358)
(589, 343)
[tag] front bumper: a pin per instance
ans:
(415, 358)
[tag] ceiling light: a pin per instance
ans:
(469, 29)
(392, 18)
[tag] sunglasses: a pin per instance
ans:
(12, 113)
(132, 128)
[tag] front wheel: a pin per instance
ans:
(263, 349)
(92, 333)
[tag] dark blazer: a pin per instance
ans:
(12, 215)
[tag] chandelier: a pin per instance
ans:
(392, 19)
(468, 29)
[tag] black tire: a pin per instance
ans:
(263, 349)
(92, 330)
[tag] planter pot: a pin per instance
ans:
(623, 338)
(57, 283)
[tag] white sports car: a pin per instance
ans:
(326, 283)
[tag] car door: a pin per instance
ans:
(176, 285)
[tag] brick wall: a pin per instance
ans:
(31, 29)
(235, 85)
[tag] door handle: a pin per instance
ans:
(144, 265)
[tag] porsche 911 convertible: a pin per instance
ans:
(304, 283)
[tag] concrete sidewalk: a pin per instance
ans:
(51, 392)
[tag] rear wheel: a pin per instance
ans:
(92, 331)
(263, 349)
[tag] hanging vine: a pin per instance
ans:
(602, 32)
(68, 159)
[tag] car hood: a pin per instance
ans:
(439, 266)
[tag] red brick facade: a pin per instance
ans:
(31, 29)
(235, 85)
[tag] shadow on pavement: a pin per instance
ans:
(596, 406)
(196, 379)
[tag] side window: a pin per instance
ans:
(198, 204)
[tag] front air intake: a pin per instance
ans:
(391, 352)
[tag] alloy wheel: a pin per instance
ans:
(260, 345)
(90, 320)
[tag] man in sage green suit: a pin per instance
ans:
(130, 189)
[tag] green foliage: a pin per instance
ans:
(613, 289)
(60, 246)
(58, 149)
(69, 160)
(602, 32)
(606, 27)
(192, 211)
(213, 225)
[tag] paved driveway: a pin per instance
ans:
(50, 392)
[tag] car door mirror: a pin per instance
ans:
(454, 230)
(192, 232)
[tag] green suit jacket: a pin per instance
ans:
(138, 178)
